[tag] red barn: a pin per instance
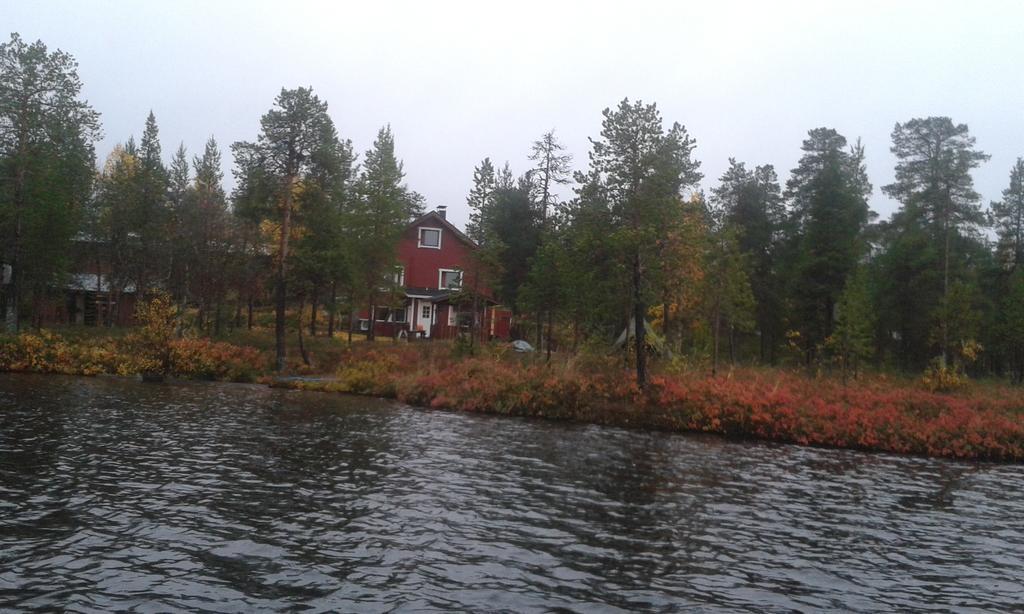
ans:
(435, 266)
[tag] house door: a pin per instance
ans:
(424, 315)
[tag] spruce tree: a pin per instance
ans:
(480, 199)
(383, 208)
(828, 193)
(179, 177)
(751, 204)
(151, 215)
(1008, 215)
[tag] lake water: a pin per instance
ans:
(219, 497)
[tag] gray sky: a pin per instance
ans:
(461, 81)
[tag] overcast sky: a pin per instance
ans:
(458, 82)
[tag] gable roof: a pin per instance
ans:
(435, 217)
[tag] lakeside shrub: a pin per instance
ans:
(877, 414)
(149, 345)
(215, 360)
(48, 352)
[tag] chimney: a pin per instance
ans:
(442, 211)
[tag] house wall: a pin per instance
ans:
(423, 263)
(58, 311)
(422, 266)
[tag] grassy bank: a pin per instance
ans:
(875, 413)
(984, 422)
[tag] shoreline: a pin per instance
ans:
(774, 405)
(289, 384)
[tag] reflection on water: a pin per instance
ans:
(117, 495)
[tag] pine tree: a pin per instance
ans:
(276, 163)
(46, 168)
(553, 168)
(639, 170)
(934, 184)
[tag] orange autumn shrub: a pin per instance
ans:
(978, 422)
(823, 413)
(47, 352)
(770, 405)
(215, 360)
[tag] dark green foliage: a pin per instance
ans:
(934, 184)
(853, 338)
(283, 157)
(638, 172)
(382, 207)
(751, 205)
(1008, 215)
(637, 242)
(828, 191)
(1010, 326)
(46, 169)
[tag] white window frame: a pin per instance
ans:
(452, 315)
(440, 279)
(399, 277)
(378, 311)
(426, 311)
(419, 237)
(364, 325)
(403, 311)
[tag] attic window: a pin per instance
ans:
(430, 237)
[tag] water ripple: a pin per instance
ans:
(116, 495)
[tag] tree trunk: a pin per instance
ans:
(639, 313)
(550, 324)
(371, 335)
(201, 316)
(732, 344)
(217, 318)
(12, 320)
(312, 314)
(333, 309)
(302, 346)
(249, 307)
(714, 346)
(945, 297)
(472, 323)
(666, 324)
(351, 324)
(281, 290)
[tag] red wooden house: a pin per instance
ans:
(434, 277)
